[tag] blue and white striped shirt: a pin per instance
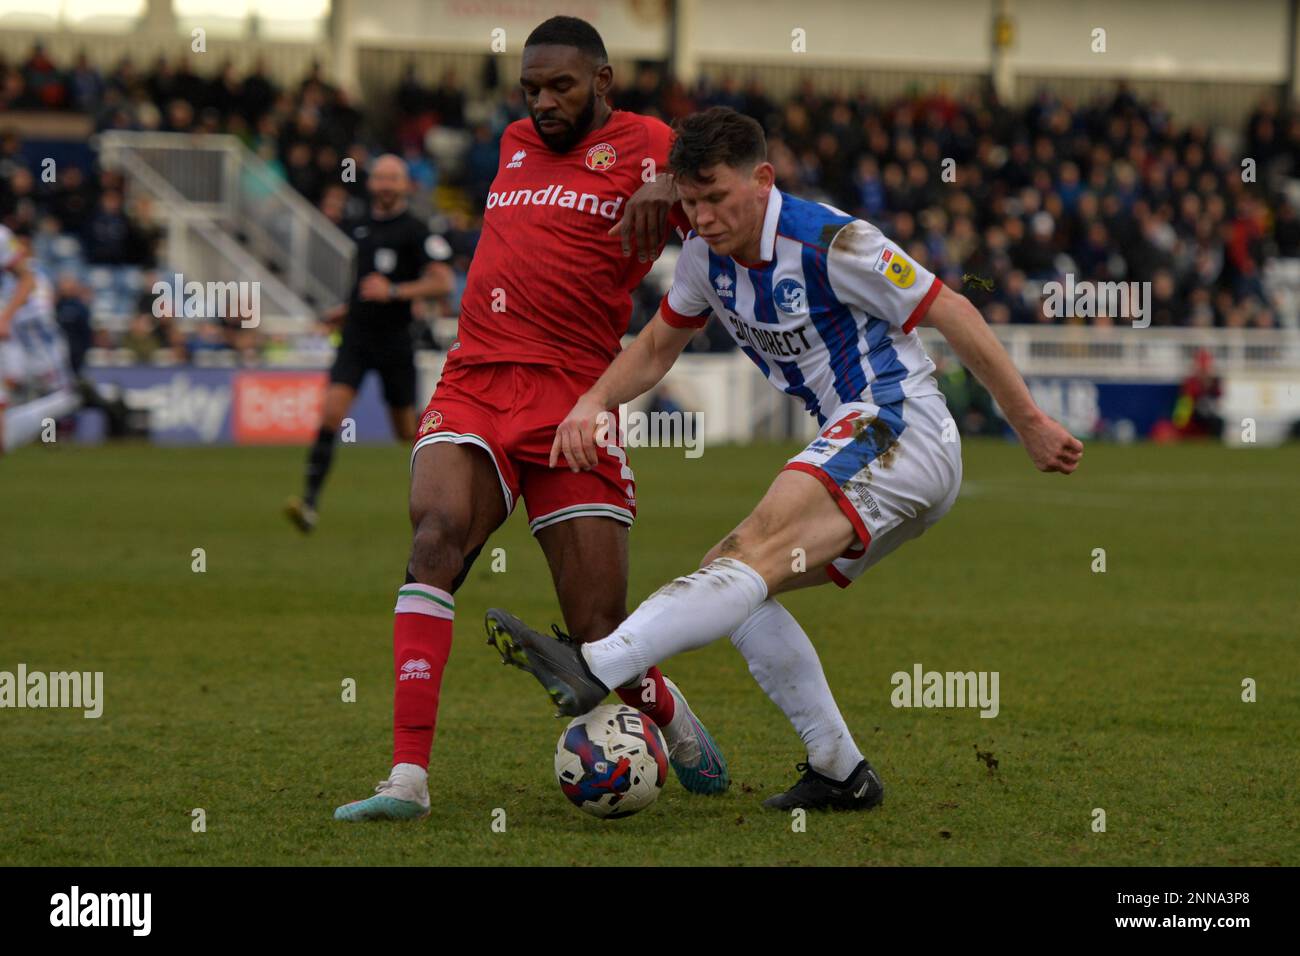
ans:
(827, 316)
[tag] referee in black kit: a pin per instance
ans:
(398, 261)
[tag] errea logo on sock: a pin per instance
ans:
(417, 669)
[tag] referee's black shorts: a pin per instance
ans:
(395, 363)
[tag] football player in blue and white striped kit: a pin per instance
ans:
(826, 306)
(33, 351)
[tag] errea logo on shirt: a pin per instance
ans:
(895, 268)
(722, 285)
(517, 160)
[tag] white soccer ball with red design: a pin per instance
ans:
(611, 761)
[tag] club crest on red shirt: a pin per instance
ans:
(601, 157)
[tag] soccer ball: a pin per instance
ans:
(611, 761)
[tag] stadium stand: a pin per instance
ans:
(1112, 190)
(232, 169)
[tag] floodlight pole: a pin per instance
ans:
(1003, 38)
(343, 47)
(683, 60)
(1292, 91)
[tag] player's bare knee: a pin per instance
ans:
(763, 524)
(332, 419)
(732, 546)
(768, 556)
(437, 550)
(740, 545)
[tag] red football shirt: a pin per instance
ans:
(547, 285)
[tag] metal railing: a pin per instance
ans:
(1126, 353)
(222, 180)
(204, 252)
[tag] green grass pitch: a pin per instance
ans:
(1120, 691)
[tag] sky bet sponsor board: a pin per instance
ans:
(1124, 410)
(205, 406)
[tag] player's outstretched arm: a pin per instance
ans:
(637, 369)
(1049, 445)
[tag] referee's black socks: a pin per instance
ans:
(318, 464)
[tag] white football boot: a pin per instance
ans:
(403, 796)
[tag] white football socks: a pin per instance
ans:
(690, 612)
(786, 666)
(729, 597)
(411, 773)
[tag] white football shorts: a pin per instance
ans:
(894, 470)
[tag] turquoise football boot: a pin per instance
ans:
(693, 755)
(398, 798)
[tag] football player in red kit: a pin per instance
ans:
(547, 301)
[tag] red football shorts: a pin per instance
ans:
(511, 411)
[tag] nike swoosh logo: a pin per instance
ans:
(710, 765)
(714, 766)
(865, 787)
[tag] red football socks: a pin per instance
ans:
(650, 696)
(422, 624)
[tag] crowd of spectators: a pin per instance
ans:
(91, 209)
(302, 133)
(1113, 190)
(995, 199)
